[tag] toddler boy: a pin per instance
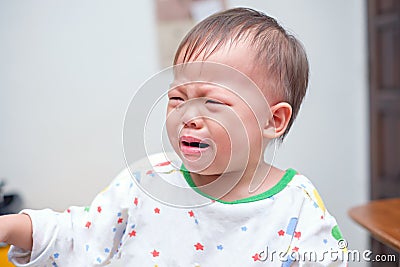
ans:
(239, 80)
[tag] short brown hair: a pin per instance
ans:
(279, 52)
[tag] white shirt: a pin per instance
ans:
(125, 223)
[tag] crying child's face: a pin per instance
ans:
(216, 113)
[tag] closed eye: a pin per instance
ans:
(176, 98)
(214, 102)
(175, 101)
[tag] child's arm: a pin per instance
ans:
(79, 236)
(16, 229)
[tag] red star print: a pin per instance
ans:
(68, 210)
(296, 249)
(322, 217)
(297, 235)
(157, 210)
(163, 164)
(191, 213)
(256, 257)
(155, 253)
(133, 233)
(120, 220)
(88, 224)
(199, 246)
(136, 201)
(99, 209)
(281, 233)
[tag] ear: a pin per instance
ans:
(277, 124)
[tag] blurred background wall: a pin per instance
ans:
(68, 70)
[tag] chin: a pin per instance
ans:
(204, 167)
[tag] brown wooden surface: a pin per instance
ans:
(382, 219)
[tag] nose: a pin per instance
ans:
(194, 123)
(191, 117)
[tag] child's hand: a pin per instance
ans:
(16, 229)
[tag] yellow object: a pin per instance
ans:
(318, 198)
(4, 259)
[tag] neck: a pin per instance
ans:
(235, 184)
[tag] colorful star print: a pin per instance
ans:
(163, 164)
(133, 233)
(127, 217)
(155, 253)
(297, 235)
(199, 246)
(256, 257)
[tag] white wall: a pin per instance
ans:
(67, 72)
(69, 68)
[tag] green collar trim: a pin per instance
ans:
(286, 178)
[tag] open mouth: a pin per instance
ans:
(192, 145)
(195, 144)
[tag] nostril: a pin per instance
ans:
(190, 124)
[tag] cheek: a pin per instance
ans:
(171, 124)
(229, 140)
(253, 122)
(242, 140)
(224, 142)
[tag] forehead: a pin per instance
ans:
(231, 64)
(238, 55)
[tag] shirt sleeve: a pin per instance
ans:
(317, 240)
(80, 236)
